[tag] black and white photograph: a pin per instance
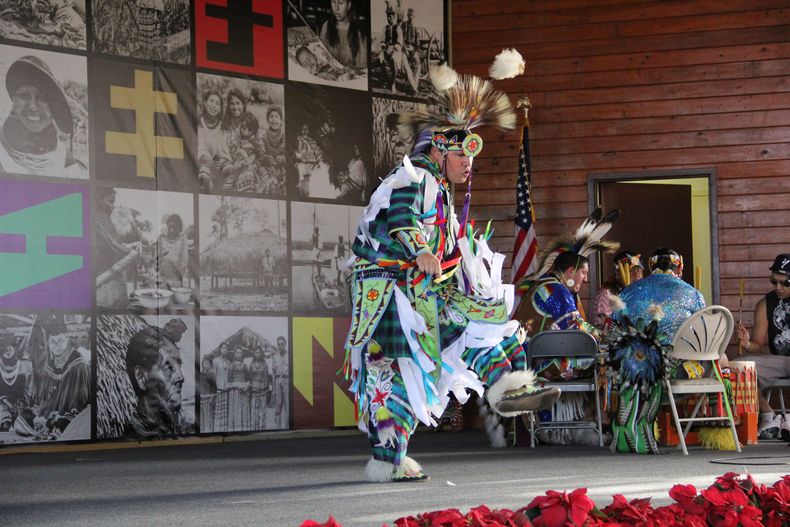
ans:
(241, 136)
(390, 143)
(407, 38)
(44, 113)
(243, 254)
(328, 42)
(329, 144)
(244, 374)
(45, 386)
(145, 249)
(145, 376)
(51, 22)
(156, 30)
(320, 247)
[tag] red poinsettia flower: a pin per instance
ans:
(728, 481)
(776, 505)
(482, 516)
(747, 516)
(331, 522)
(560, 509)
(731, 508)
(637, 512)
(688, 499)
(677, 515)
(443, 518)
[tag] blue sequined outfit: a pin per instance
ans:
(677, 299)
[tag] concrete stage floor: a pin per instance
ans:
(281, 480)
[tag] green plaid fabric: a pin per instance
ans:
(406, 205)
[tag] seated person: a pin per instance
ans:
(625, 263)
(771, 327)
(663, 295)
(550, 302)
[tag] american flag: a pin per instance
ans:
(525, 248)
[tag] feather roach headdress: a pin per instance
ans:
(587, 239)
(465, 102)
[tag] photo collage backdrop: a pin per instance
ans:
(180, 185)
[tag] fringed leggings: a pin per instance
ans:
(389, 431)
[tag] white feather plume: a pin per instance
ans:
(443, 77)
(508, 64)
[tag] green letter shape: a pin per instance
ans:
(58, 217)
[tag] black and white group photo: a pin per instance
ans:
(243, 255)
(43, 113)
(244, 374)
(156, 30)
(407, 38)
(145, 376)
(52, 22)
(45, 386)
(320, 247)
(145, 256)
(241, 136)
(328, 42)
(329, 144)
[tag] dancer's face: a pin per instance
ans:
(458, 166)
(579, 276)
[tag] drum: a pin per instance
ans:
(743, 376)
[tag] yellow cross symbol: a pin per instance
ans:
(144, 144)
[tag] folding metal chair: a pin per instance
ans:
(778, 385)
(702, 337)
(567, 343)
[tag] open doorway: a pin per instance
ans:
(675, 209)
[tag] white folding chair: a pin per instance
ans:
(567, 343)
(702, 337)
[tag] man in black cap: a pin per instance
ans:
(30, 139)
(771, 327)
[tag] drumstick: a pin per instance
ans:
(740, 314)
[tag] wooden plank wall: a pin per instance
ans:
(632, 85)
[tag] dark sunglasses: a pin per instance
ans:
(783, 283)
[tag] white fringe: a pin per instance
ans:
(493, 425)
(379, 471)
(409, 464)
(509, 381)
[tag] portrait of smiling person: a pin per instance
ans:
(44, 116)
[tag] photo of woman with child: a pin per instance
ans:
(328, 42)
(241, 139)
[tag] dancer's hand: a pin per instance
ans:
(429, 264)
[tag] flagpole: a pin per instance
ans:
(524, 261)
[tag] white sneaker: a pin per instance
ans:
(769, 429)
